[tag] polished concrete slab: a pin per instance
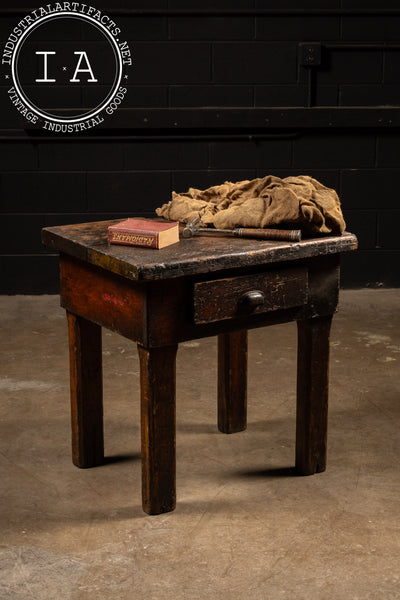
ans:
(245, 525)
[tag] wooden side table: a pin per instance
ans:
(208, 285)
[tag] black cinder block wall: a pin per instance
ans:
(220, 90)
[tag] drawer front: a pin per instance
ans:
(249, 294)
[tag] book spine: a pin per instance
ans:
(137, 238)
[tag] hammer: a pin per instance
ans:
(293, 235)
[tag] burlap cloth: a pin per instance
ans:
(294, 202)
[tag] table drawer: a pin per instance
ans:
(249, 294)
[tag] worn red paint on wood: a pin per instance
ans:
(106, 299)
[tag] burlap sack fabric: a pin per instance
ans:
(293, 202)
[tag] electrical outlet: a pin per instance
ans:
(310, 54)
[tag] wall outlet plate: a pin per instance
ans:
(310, 54)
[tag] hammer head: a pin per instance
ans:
(191, 228)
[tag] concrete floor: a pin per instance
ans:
(245, 527)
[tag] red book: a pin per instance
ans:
(141, 232)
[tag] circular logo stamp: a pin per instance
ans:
(67, 67)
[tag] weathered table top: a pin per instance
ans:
(201, 254)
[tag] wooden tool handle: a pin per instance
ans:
(293, 235)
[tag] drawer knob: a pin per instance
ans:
(250, 300)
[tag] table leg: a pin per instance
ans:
(232, 381)
(86, 391)
(312, 394)
(157, 382)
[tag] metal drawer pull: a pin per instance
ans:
(250, 300)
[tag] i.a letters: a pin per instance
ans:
(82, 58)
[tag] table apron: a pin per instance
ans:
(164, 312)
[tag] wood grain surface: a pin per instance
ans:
(232, 382)
(201, 254)
(86, 392)
(312, 394)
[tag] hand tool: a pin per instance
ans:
(192, 228)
